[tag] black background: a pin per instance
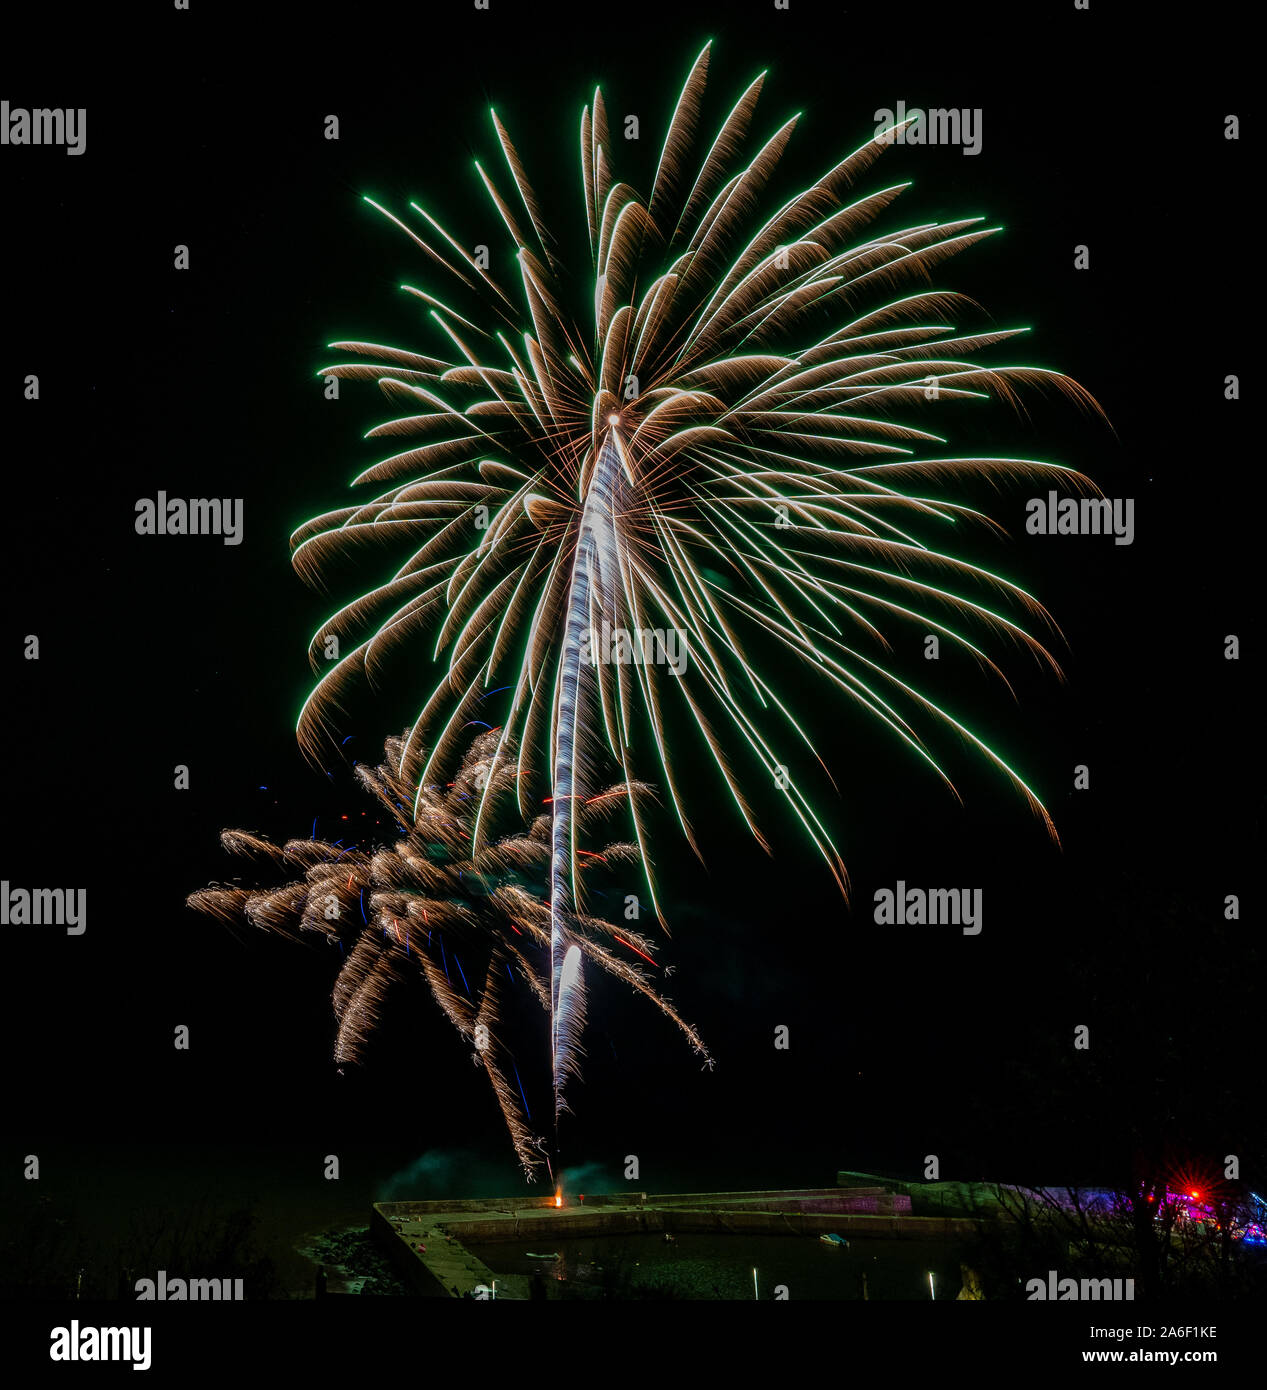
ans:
(206, 129)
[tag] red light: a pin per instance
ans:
(1197, 1195)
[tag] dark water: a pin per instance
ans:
(721, 1266)
(99, 1210)
(269, 1216)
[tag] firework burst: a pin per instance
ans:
(435, 905)
(719, 446)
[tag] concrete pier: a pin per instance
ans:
(445, 1269)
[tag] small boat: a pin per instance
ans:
(834, 1239)
(555, 1256)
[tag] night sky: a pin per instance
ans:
(158, 651)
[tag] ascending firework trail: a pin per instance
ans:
(725, 455)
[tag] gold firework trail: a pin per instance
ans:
(432, 899)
